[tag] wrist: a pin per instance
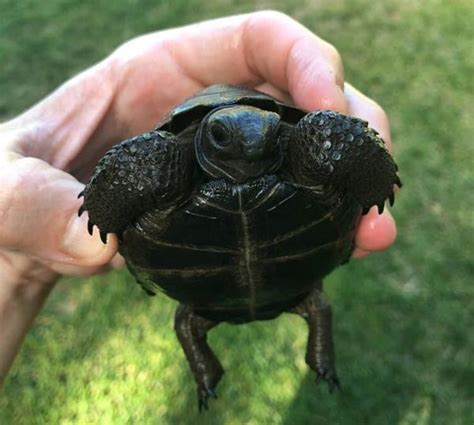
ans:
(22, 294)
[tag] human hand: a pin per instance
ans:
(47, 152)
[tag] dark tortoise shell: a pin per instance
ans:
(236, 248)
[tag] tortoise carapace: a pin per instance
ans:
(237, 206)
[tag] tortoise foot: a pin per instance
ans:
(329, 376)
(354, 160)
(323, 364)
(191, 330)
(203, 396)
(207, 382)
(320, 349)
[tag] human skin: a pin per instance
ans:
(49, 151)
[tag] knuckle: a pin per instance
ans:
(12, 187)
(17, 181)
(19, 175)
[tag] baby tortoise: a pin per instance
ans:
(237, 206)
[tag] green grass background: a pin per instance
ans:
(102, 352)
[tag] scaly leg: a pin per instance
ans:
(191, 330)
(342, 152)
(320, 350)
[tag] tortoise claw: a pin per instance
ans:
(380, 207)
(202, 404)
(212, 393)
(391, 199)
(204, 398)
(398, 181)
(334, 385)
(81, 193)
(81, 211)
(90, 227)
(331, 379)
(103, 236)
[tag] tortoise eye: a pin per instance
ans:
(220, 135)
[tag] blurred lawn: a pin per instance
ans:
(103, 352)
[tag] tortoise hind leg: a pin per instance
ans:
(320, 349)
(191, 330)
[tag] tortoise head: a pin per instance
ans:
(239, 143)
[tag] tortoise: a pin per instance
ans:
(237, 205)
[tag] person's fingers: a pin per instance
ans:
(142, 80)
(376, 233)
(275, 92)
(361, 106)
(57, 128)
(38, 212)
(157, 71)
(118, 262)
(288, 55)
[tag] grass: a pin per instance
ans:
(102, 352)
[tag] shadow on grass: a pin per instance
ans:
(63, 357)
(315, 406)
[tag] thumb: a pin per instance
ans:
(38, 215)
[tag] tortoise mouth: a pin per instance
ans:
(240, 170)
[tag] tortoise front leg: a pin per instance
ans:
(152, 170)
(334, 150)
(320, 349)
(191, 330)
